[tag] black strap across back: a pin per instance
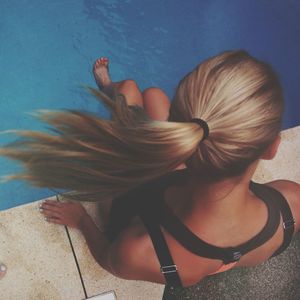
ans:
(155, 213)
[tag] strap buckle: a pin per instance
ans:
(231, 256)
(236, 255)
(288, 224)
(168, 269)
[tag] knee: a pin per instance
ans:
(130, 84)
(156, 103)
(152, 91)
(155, 96)
(130, 90)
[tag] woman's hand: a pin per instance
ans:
(63, 213)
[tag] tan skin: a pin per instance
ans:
(197, 205)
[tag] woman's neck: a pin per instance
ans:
(225, 197)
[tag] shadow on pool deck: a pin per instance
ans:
(276, 279)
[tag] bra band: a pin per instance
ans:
(204, 126)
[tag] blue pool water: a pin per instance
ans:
(47, 50)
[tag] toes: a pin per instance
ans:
(52, 203)
(101, 61)
(54, 220)
(51, 206)
(50, 213)
(97, 63)
(105, 61)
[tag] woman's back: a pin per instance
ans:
(213, 224)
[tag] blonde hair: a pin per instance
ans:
(237, 95)
(241, 99)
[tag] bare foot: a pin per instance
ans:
(101, 73)
(64, 213)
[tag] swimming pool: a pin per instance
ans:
(47, 50)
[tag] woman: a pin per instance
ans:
(184, 204)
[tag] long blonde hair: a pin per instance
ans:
(238, 96)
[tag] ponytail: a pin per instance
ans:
(97, 159)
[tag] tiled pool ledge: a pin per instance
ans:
(39, 258)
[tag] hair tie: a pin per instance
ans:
(204, 126)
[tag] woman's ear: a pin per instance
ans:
(272, 149)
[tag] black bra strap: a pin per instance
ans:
(230, 254)
(189, 240)
(288, 222)
(167, 265)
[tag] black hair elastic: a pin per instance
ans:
(204, 126)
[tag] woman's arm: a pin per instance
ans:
(130, 256)
(96, 241)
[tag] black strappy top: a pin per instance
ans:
(147, 202)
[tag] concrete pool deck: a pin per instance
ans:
(41, 263)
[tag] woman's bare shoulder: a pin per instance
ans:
(132, 256)
(291, 191)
